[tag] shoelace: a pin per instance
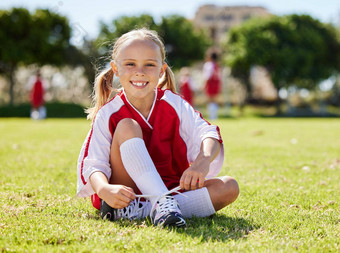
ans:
(132, 211)
(165, 206)
(176, 190)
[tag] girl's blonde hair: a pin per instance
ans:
(103, 85)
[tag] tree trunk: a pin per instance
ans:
(11, 85)
(278, 106)
(248, 96)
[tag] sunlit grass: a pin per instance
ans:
(288, 171)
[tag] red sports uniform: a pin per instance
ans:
(213, 83)
(186, 91)
(37, 94)
(172, 133)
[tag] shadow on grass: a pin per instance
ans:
(217, 227)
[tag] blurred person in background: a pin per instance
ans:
(186, 85)
(38, 109)
(212, 81)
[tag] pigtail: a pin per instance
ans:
(102, 91)
(168, 80)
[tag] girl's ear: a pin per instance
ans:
(114, 68)
(163, 69)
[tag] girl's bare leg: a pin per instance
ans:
(223, 191)
(126, 129)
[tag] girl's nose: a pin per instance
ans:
(139, 71)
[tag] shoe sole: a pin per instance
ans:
(173, 221)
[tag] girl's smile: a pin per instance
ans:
(139, 84)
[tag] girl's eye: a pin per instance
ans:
(129, 64)
(150, 65)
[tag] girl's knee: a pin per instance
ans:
(223, 191)
(127, 129)
(231, 188)
(228, 189)
(128, 124)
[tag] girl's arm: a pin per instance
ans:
(193, 177)
(116, 196)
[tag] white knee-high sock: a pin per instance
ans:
(141, 169)
(195, 203)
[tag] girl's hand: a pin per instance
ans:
(194, 176)
(116, 196)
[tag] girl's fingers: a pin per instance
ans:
(191, 180)
(122, 200)
(185, 183)
(118, 204)
(181, 182)
(201, 182)
(129, 193)
(193, 184)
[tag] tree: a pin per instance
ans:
(25, 38)
(126, 23)
(184, 44)
(296, 49)
(86, 56)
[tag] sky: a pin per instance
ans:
(86, 15)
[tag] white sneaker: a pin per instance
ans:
(135, 210)
(166, 212)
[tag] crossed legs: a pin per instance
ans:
(222, 191)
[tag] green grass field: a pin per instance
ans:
(288, 171)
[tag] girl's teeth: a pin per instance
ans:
(138, 84)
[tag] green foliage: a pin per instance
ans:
(295, 49)
(50, 34)
(124, 24)
(289, 199)
(184, 43)
(15, 37)
(41, 37)
(85, 57)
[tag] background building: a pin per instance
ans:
(217, 20)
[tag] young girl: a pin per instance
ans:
(149, 140)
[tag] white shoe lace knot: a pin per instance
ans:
(134, 210)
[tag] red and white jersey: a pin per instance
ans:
(173, 133)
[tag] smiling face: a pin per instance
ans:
(139, 66)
